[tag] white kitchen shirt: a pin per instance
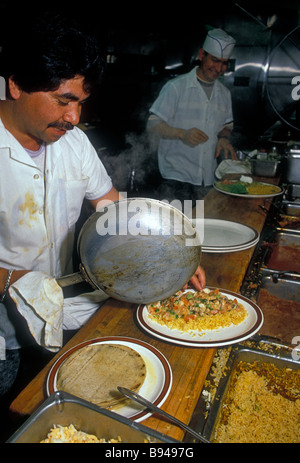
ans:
(182, 103)
(39, 210)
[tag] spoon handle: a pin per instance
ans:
(141, 400)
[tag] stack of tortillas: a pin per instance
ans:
(94, 373)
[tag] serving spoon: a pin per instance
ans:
(141, 400)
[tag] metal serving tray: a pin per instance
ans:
(293, 191)
(65, 409)
(292, 171)
(277, 258)
(261, 168)
(259, 349)
(291, 207)
(283, 285)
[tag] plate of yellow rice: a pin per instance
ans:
(212, 317)
(252, 190)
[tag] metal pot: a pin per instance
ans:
(137, 250)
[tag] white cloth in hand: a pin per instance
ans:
(39, 299)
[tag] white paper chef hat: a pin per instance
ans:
(219, 44)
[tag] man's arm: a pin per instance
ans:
(112, 196)
(191, 137)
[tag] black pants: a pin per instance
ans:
(19, 368)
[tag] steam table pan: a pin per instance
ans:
(64, 409)
(257, 349)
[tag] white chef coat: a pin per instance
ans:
(182, 103)
(39, 210)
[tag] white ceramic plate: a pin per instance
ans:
(280, 191)
(157, 384)
(224, 250)
(209, 338)
(224, 236)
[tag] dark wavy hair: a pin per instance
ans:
(48, 51)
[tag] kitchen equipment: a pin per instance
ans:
(141, 400)
(260, 349)
(283, 252)
(292, 165)
(64, 409)
(137, 250)
(291, 208)
(265, 168)
(279, 298)
(292, 191)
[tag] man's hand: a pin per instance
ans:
(193, 137)
(198, 280)
(225, 146)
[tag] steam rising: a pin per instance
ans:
(135, 169)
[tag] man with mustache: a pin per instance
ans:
(48, 167)
(192, 117)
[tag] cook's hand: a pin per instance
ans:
(226, 146)
(193, 137)
(198, 280)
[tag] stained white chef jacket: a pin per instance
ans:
(39, 210)
(182, 103)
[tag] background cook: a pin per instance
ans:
(193, 118)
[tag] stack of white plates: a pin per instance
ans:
(224, 236)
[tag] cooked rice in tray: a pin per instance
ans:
(262, 406)
(71, 435)
(197, 311)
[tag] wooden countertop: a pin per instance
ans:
(189, 365)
